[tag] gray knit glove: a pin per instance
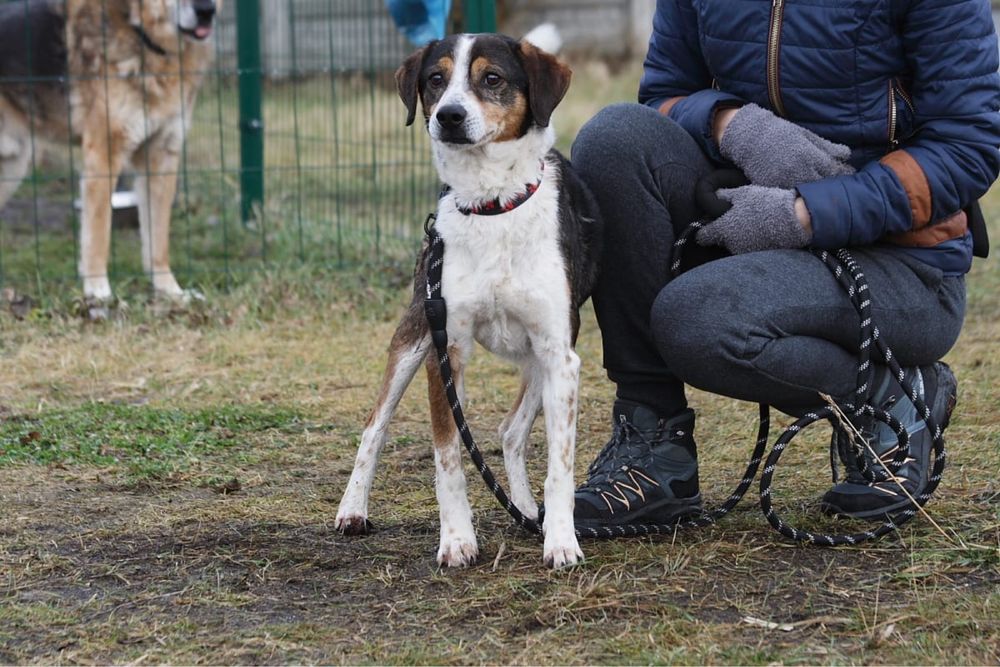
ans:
(774, 152)
(760, 219)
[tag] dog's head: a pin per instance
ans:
(477, 89)
(195, 19)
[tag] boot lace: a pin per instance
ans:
(627, 445)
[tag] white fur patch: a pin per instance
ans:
(546, 37)
(460, 93)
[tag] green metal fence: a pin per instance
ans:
(296, 153)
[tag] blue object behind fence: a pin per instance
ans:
(420, 20)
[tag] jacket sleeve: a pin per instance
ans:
(675, 77)
(952, 158)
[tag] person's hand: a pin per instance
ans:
(760, 219)
(774, 152)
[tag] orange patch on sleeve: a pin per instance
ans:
(669, 104)
(914, 181)
(930, 235)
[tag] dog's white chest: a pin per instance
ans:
(504, 277)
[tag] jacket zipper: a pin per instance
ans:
(893, 143)
(773, 45)
(895, 88)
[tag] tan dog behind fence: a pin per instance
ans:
(120, 77)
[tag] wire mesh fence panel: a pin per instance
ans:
(344, 181)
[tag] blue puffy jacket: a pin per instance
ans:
(910, 85)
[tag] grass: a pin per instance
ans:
(150, 442)
(177, 502)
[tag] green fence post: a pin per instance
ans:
(251, 122)
(480, 15)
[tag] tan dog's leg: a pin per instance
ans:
(458, 546)
(102, 163)
(407, 350)
(514, 433)
(155, 193)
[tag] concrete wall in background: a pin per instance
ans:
(310, 36)
(358, 35)
(606, 29)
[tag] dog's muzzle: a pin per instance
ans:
(451, 124)
(204, 11)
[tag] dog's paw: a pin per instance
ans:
(562, 554)
(457, 553)
(100, 309)
(165, 287)
(187, 297)
(189, 302)
(97, 289)
(178, 298)
(353, 524)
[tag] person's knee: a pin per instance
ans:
(695, 335)
(607, 138)
(622, 137)
(677, 327)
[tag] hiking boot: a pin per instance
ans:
(857, 497)
(646, 474)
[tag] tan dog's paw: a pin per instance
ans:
(187, 303)
(100, 309)
(458, 553)
(190, 296)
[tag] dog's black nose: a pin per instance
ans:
(204, 10)
(451, 115)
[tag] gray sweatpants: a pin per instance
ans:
(772, 327)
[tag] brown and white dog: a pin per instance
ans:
(120, 77)
(513, 281)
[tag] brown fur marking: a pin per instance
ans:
(510, 119)
(443, 426)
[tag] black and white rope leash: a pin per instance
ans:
(852, 279)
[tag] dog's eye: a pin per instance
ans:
(492, 80)
(435, 80)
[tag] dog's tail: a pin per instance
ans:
(546, 37)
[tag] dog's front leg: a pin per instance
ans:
(560, 366)
(407, 350)
(103, 157)
(155, 185)
(458, 545)
(514, 433)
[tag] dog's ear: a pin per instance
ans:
(407, 80)
(548, 81)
